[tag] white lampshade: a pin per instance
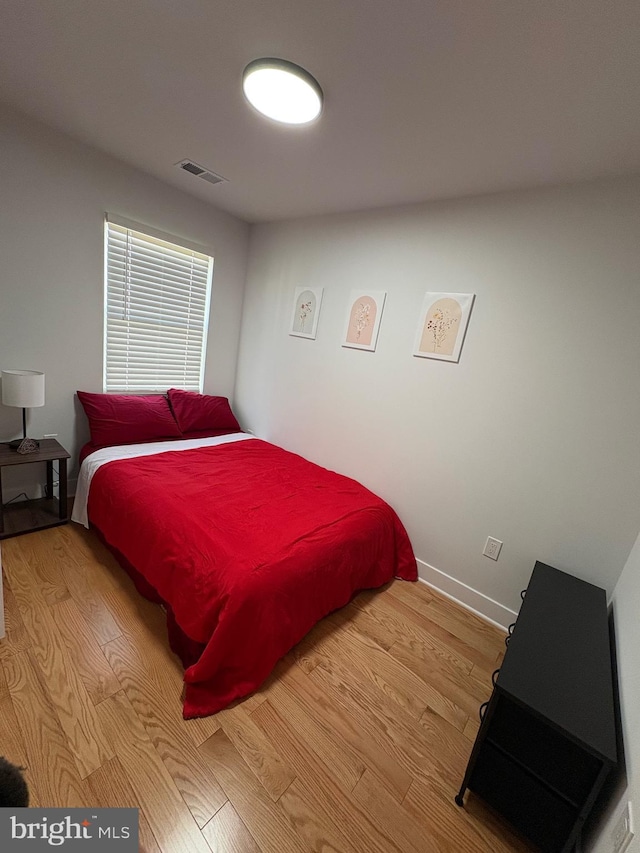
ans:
(23, 388)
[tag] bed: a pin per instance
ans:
(246, 545)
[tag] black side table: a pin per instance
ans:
(26, 516)
(547, 740)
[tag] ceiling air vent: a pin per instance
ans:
(200, 172)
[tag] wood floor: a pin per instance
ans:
(357, 743)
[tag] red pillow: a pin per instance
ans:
(200, 412)
(128, 418)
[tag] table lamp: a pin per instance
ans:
(24, 389)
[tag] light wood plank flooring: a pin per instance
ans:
(356, 744)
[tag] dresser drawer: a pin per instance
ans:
(525, 802)
(562, 764)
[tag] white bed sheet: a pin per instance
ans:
(130, 451)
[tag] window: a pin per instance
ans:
(157, 297)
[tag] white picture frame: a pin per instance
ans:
(364, 314)
(444, 318)
(307, 302)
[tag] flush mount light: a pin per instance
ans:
(282, 91)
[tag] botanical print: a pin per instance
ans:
(363, 317)
(306, 307)
(306, 310)
(363, 320)
(442, 325)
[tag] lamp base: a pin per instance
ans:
(24, 445)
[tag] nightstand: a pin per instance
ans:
(26, 516)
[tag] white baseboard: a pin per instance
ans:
(477, 602)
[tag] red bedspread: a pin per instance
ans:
(250, 546)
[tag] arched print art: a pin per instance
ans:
(363, 319)
(442, 326)
(306, 311)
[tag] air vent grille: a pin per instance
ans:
(191, 167)
(200, 172)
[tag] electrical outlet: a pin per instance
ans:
(492, 548)
(623, 831)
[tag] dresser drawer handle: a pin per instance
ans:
(523, 592)
(482, 710)
(494, 676)
(510, 628)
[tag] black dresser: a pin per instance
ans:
(548, 735)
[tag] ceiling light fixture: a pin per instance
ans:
(282, 91)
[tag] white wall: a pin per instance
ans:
(54, 193)
(626, 608)
(531, 438)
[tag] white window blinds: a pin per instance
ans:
(156, 312)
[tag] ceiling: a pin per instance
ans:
(425, 99)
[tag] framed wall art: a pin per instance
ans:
(363, 319)
(443, 324)
(306, 311)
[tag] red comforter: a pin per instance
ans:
(249, 545)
